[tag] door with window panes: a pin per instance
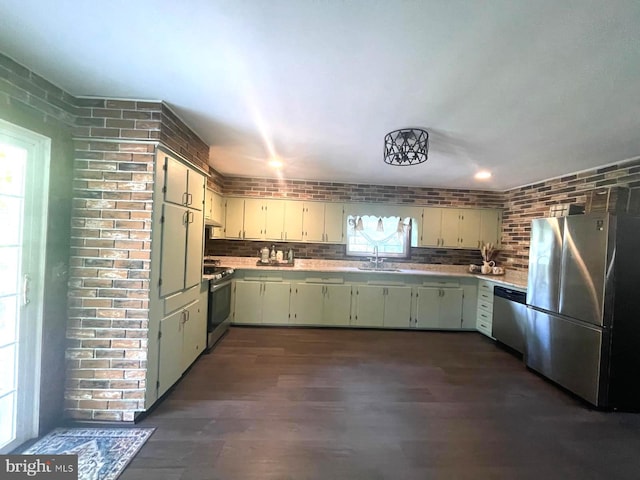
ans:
(24, 175)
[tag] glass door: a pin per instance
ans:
(24, 158)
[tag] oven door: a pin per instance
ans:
(219, 304)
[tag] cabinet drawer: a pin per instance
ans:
(484, 296)
(486, 306)
(484, 317)
(179, 300)
(485, 286)
(485, 328)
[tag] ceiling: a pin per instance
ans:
(528, 90)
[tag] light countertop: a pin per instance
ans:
(511, 278)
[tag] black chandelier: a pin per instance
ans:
(407, 146)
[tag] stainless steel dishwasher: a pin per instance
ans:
(509, 317)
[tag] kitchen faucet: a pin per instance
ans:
(376, 260)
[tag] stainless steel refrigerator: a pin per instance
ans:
(583, 306)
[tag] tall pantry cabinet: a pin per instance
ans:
(177, 311)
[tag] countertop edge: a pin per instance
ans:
(514, 279)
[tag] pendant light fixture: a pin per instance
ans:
(407, 146)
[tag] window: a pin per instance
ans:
(390, 235)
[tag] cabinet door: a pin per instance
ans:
(208, 204)
(175, 187)
(427, 312)
(194, 333)
(490, 225)
(217, 208)
(275, 302)
(313, 222)
(369, 306)
(195, 193)
(274, 211)
(337, 305)
(306, 304)
(469, 228)
(174, 246)
(431, 227)
(334, 223)
(450, 308)
(170, 352)
(449, 233)
(397, 307)
(234, 218)
(254, 219)
(195, 247)
(248, 302)
(292, 221)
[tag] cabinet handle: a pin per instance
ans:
(26, 286)
(185, 198)
(189, 199)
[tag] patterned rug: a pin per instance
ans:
(103, 453)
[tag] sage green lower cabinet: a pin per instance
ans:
(397, 307)
(182, 338)
(369, 307)
(170, 359)
(318, 304)
(438, 308)
(261, 302)
(380, 306)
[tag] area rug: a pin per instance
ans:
(103, 453)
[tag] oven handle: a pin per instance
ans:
(217, 286)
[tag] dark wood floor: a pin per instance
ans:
(273, 403)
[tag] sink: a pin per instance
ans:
(379, 269)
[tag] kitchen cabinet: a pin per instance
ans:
(182, 229)
(183, 185)
(490, 226)
(320, 304)
(258, 302)
(234, 218)
(459, 227)
(264, 219)
(182, 339)
(323, 222)
(484, 320)
(378, 306)
(439, 308)
(213, 208)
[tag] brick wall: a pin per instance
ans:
(115, 143)
(534, 201)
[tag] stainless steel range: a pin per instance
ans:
(220, 283)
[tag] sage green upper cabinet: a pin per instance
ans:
(490, 225)
(431, 227)
(468, 228)
(459, 227)
(213, 208)
(183, 185)
(234, 218)
(279, 220)
(333, 223)
(323, 222)
(292, 228)
(182, 226)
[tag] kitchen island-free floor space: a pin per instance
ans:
(279, 403)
